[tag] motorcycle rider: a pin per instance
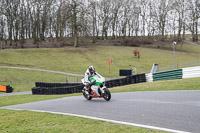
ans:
(90, 72)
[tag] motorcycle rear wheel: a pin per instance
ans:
(86, 96)
(107, 94)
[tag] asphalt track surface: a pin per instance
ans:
(177, 110)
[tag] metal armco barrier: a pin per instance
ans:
(191, 72)
(167, 75)
(149, 77)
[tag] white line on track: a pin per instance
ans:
(107, 120)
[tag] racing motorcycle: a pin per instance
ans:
(98, 88)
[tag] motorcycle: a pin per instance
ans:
(98, 88)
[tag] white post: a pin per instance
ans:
(174, 43)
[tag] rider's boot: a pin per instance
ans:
(90, 91)
(85, 89)
(87, 92)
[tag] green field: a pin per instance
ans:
(77, 60)
(24, 80)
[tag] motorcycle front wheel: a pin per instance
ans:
(107, 94)
(86, 96)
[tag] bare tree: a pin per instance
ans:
(105, 17)
(37, 20)
(179, 7)
(92, 14)
(75, 10)
(143, 14)
(116, 7)
(160, 12)
(192, 21)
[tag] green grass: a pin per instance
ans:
(27, 98)
(24, 80)
(189, 48)
(26, 121)
(178, 84)
(76, 60)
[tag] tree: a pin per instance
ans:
(75, 10)
(193, 16)
(105, 12)
(179, 6)
(116, 7)
(160, 12)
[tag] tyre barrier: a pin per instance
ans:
(57, 90)
(42, 88)
(43, 84)
(133, 79)
(7, 89)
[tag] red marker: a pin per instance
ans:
(110, 62)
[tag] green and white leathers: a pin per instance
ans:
(98, 88)
(100, 83)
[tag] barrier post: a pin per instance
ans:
(110, 62)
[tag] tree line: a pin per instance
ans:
(41, 19)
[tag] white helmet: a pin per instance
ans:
(91, 69)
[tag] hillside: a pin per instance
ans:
(76, 60)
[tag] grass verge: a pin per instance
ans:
(77, 60)
(24, 80)
(27, 98)
(27, 121)
(178, 84)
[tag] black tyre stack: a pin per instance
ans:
(9, 89)
(42, 88)
(133, 79)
